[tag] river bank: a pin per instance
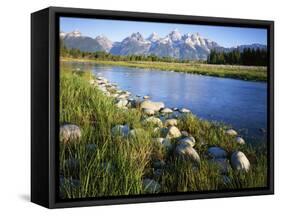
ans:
(251, 73)
(239, 103)
(124, 144)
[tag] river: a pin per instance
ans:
(242, 104)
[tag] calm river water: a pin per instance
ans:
(242, 104)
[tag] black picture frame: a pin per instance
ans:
(45, 105)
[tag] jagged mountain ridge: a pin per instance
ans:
(176, 45)
(84, 43)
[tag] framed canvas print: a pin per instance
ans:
(138, 107)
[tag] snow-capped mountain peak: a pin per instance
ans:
(175, 35)
(74, 33)
(153, 37)
(137, 36)
(166, 40)
(62, 34)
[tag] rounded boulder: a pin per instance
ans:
(186, 152)
(69, 133)
(239, 161)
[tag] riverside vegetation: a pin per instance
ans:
(252, 73)
(113, 143)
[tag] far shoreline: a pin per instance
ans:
(240, 72)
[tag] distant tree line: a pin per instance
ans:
(255, 57)
(250, 57)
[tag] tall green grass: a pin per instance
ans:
(118, 164)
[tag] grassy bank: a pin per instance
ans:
(237, 72)
(116, 165)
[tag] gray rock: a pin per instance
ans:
(184, 110)
(148, 111)
(166, 110)
(171, 122)
(146, 97)
(121, 103)
(173, 132)
(217, 152)
(239, 161)
(231, 132)
(147, 104)
(122, 130)
(240, 140)
(153, 120)
(187, 140)
(186, 152)
(151, 186)
(69, 133)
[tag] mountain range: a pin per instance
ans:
(175, 45)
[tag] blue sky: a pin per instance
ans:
(118, 30)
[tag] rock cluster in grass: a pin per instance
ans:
(164, 121)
